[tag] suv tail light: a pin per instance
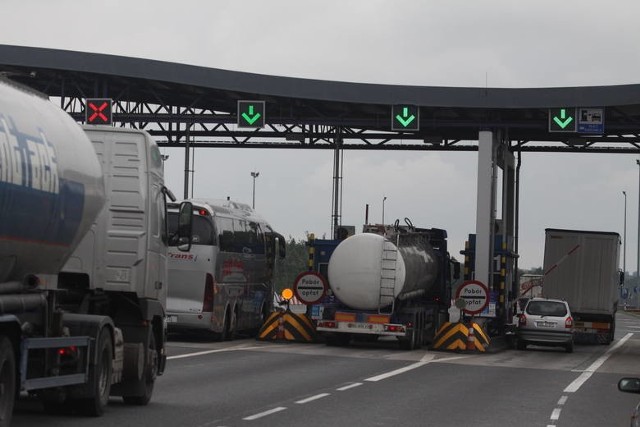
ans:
(522, 320)
(568, 323)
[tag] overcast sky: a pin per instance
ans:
(495, 43)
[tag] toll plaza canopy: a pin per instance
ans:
(212, 107)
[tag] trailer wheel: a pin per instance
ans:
(409, 343)
(99, 378)
(7, 381)
(144, 388)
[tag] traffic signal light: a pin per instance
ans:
(98, 111)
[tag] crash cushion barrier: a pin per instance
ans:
(460, 337)
(287, 326)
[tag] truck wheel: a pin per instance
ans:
(99, 378)
(7, 381)
(144, 388)
(409, 343)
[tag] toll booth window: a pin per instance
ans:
(323, 268)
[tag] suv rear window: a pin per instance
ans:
(547, 308)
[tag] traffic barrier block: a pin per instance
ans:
(460, 337)
(287, 326)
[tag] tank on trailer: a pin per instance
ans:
(51, 184)
(359, 263)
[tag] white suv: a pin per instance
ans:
(545, 322)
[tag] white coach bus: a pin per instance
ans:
(223, 283)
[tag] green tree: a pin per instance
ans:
(293, 264)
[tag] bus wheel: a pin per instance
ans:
(144, 388)
(224, 335)
(7, 381)
(99, 378)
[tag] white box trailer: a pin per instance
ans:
(582, 268)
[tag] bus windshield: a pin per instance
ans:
(203, 231)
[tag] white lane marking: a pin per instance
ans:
(428, 358)
(396, 372)
(562, 400)
(201, 353)
(347, 387)
(555, 415)
(220, 350)
(577, 383)
(312, 398)
(265, 413)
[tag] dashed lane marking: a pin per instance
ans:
(312, 398)
(265, 413)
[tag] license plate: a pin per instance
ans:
(360, 325)
(172, 319)
(546, 324)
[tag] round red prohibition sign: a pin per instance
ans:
(475, 295)
(310, 287)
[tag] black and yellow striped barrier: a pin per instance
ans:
(460, 337)
(287, 326)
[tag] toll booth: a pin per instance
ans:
(503, 286)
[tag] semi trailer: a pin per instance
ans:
(387, 281)
(582, 268)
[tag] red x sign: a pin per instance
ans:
(98, 111)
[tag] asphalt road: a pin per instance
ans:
(252, 383)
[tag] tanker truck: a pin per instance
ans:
(82, 259)
(387, 281)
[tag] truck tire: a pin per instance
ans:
(410, 342)
(7, 381)
(99, 378)
(143, 390)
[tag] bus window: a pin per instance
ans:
(203, 232)
(226, 234)
(257, 238)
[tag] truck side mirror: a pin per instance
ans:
(185, 226)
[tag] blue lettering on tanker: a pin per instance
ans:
(27, 161)
(35, 203)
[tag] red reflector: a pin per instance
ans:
(328, 324)
(67, 351)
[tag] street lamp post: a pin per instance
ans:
(638, 252)
(383, 199)
(624, 247)
(254, 175)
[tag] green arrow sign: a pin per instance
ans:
(251, 117)
(562, 120)
(405, 118)
(251, 114)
